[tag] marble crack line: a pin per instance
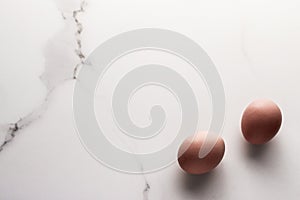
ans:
(147, 187)
(13, 128)
(11, 133)
(146, 191)
(79, 26)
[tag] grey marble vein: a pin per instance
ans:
(146, 191)
(78, 32)
(12, 129)
(60, 66)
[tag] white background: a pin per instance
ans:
(255, 45)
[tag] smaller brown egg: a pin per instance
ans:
(261, 121)
(188, 154)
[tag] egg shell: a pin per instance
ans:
(261, 121)
(188, 154)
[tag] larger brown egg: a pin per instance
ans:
(188, 154)
(261, 121)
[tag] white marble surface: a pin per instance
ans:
(255, 45)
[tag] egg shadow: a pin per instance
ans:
(199, 183)
(264, 154)
(257, 152)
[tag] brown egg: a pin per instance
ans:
(188, 154)
(261, 121)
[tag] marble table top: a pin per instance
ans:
(254, 44)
